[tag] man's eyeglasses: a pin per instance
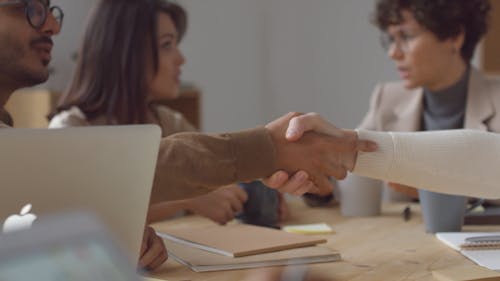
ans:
(37, 11)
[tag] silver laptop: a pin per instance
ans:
(106, 170)
(71, 246)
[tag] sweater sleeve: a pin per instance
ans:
(188, 161)
(190, 164)
(462, 162)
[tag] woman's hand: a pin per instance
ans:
(220, 205)
(153, 251)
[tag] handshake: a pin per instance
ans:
(309, 151)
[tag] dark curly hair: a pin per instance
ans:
(445, 18)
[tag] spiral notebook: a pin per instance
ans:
(484, 252)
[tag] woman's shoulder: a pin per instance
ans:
(392, 94)
(166, 112)
(171, 121)
(72, 117)
(392, 89)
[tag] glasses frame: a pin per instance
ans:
(402, 42)
(48, 10)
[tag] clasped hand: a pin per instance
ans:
(310, 150)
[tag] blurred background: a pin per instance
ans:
(254, 60)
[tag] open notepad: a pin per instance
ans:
(201, 261)
(237, 240)
(484, 255)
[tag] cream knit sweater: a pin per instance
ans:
(464, 162)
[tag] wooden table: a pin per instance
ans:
(373, 248)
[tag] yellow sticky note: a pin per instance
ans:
(317, 228)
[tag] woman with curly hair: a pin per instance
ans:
(432, 43)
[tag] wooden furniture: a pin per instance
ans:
(374, 248)
(490, 58)
(188, 103)
(29, 107)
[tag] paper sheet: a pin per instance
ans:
(487, 257)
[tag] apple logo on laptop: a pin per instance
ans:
(19, 222)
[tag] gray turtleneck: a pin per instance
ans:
(445, 109)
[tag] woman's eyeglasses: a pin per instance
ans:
(401, 40)
(37, 11)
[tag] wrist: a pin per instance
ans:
(186, 204)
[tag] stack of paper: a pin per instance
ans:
(238, 240)
(200, 261)
(242, 246)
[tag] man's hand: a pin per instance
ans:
(153, 251)
(326, 151)
(298, 184)
(220, 205)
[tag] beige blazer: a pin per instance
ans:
(394, 108)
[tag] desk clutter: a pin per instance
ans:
(238, 246)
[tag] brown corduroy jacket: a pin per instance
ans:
(190, 164)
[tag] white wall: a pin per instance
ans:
(225, 55)
(325, 57)
(67, 42)
(256, 60)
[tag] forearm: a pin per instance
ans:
(191, 161)
(460, 162)
(165, 210)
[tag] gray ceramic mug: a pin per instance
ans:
(360, 196)
(442, 212)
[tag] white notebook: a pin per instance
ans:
(237, 240)
(487, 257)
(201, 261)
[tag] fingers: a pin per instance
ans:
(277, 180)
(360, 145)
(236, 197)
(154, 253)
(235, 204)
(310, 122)
(240, 193)
(332, 152)
(306, 188)
(224, 215)
(161, 258)
(324, 185)
(297, 182)
(366, 146)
